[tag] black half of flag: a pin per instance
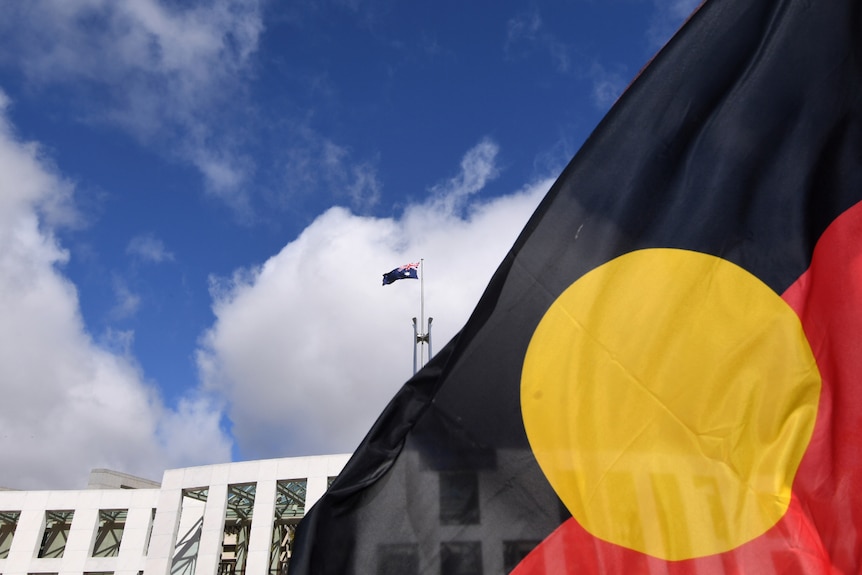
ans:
(742, 139)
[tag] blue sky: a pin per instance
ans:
(198, 199)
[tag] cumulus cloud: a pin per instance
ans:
(151, 67)
(70, 404)
(308, 348)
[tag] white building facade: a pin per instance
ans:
(226, 519)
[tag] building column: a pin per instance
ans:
(212, 534)
(164, 536)
(261, 527)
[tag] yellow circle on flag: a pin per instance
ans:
(669, 396)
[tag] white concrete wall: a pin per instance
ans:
(133, 555)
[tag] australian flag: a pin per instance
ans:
(407, 271)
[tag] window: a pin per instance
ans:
(191, 527)
(237, 528)
(515, 551)
(8, 523)
(461, 558)
(112, 522)
(289, 509)
(57, 526)
(459, 498)
(398, 559)
(150, 532)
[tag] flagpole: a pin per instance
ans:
(422, 333)
(422, 306)
(415, 345)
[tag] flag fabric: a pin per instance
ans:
(663, 375)
(407, 271)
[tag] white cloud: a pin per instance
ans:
(156, 70)
(149, 248)
(309, 347)
(69, 404)
(478, 167)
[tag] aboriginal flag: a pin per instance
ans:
(665, 373)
